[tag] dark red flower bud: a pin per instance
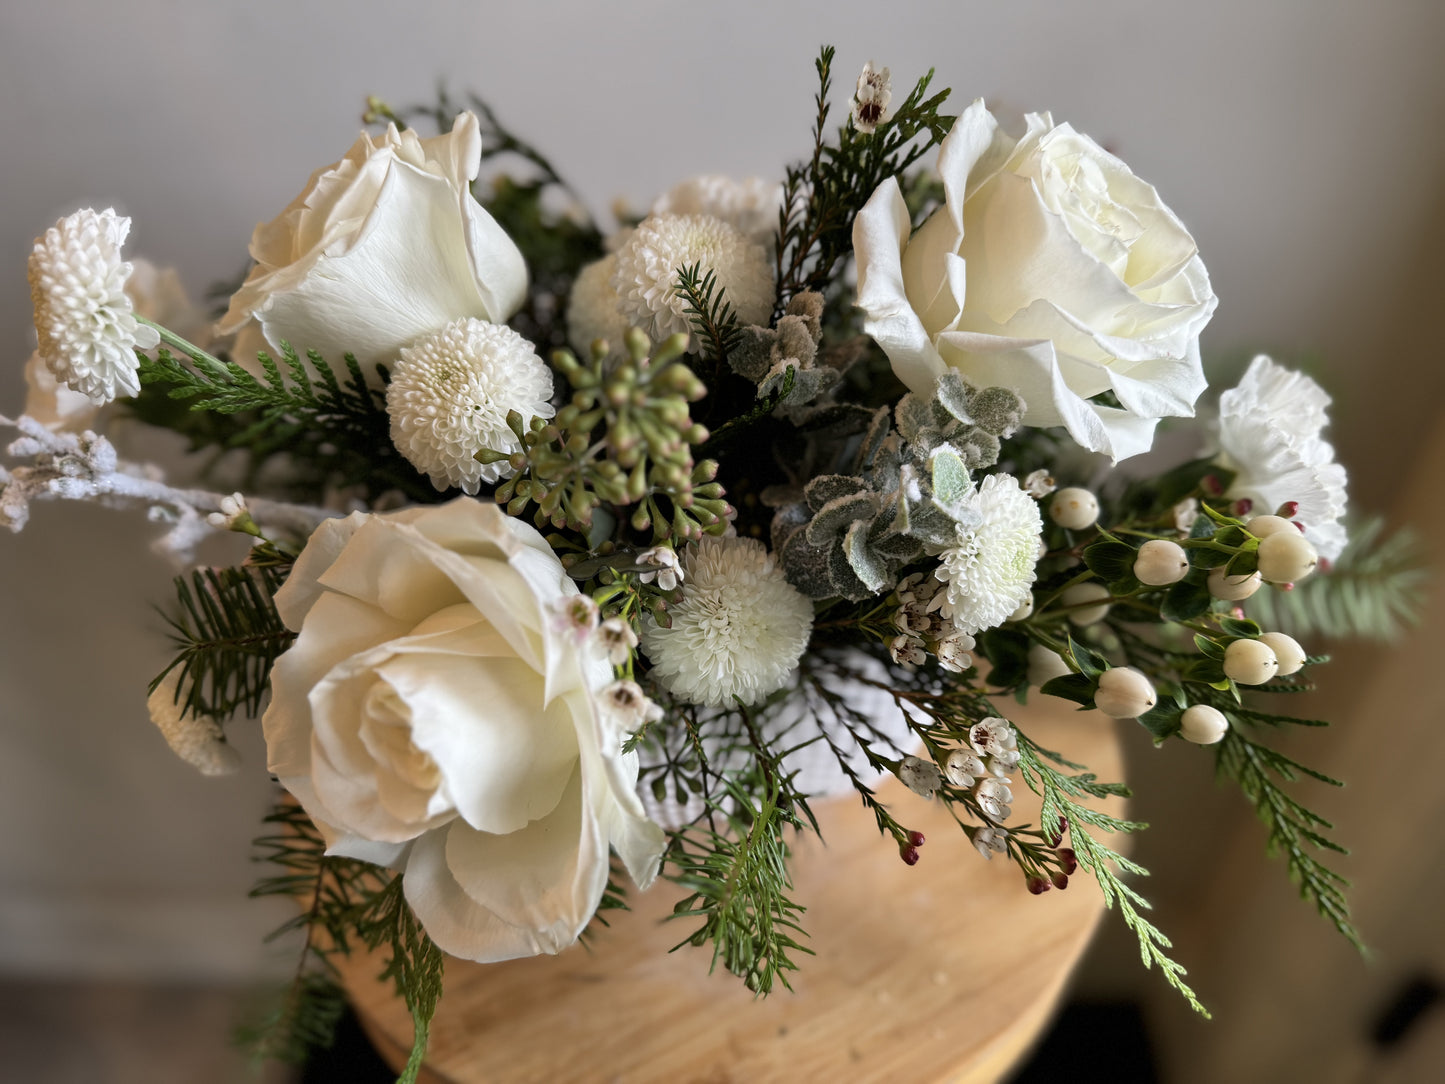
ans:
(1212, 485)
(1288, 510)
(1060, 879)
(1242, 506)
(1068, 860)
(916, 838)
(909, 854)
(1038, 886)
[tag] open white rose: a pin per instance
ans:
(432, 716)
(1052, 270)
(382, 247)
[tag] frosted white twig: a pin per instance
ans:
(84, 467)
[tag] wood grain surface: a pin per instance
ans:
(944, 971)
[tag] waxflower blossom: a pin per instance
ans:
(616, 639)
(870, 100)
(84, 319)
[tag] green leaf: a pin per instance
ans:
(1209, 648)
(1110, 560)
(1185, 601)
(1090, 664)
(1240, 629)
(1075, 687)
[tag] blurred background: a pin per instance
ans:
(1298, 139)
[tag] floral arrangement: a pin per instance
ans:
(579, 559)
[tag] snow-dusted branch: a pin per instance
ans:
(84, 467)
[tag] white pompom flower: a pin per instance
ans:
(592, 311)
(84, 320)
(752, 205)
(739, 630)
(645, 277)
(988, 572)
(449, 396)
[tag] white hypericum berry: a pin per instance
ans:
(84, 320)
(1074, 508)
(1286, 557)
(1287, 652)
(1250, 662)
(920, 776)
(645, 276)
(1076, 600)
(1160, 562)
(1264, 526)
(1202, 724)
(1233, 588)
(450, 394)
(963, 768)
(1026, 609)
(1124, 693)
(1045, 665)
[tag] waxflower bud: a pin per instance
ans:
(1286, 558)
(1075, 598)
(1287, 652)
(1202, 724)
(1068, 860)
(1074, 508)
(1249, 662)
(915, 839)
(1124, 693)
(1264, 526)
(1038, 885)
(1060, 879)
(1233, 588)
(1160, 562)
(909, 854)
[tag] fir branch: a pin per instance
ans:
(1290, 826)
(1373, 592)
(228, 634)
(709, 311)
(739, 883)
(1059, 791)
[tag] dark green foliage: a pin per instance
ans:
(342, 903)
(739, 884)
(228, 634)
(712, 317)
(822, 196)
(334, 431)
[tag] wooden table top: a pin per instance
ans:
(944, 971)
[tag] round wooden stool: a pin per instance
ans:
(947, 970)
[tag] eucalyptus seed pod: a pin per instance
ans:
(1250, 662)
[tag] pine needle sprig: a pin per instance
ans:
(228, 635)
(1061, 793)
(1291, 827)
(415, 965)
(709, 311)
(1373, 592)
(740, 885)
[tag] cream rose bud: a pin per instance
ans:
(434, 716)
(381, 248)
(1124, 693)
(1202, 724)
(1160, 562)
(1050, 269)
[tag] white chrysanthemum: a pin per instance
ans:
(84, 319)
(751, 205)
(592, 311)
(987, 573)
(449, 396)
(1269, 434)
(646, 274)
(739, 630)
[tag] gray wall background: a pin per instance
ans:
(1298, 139)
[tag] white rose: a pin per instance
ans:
(433, 716)
(382, 247)
(1051, 269)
